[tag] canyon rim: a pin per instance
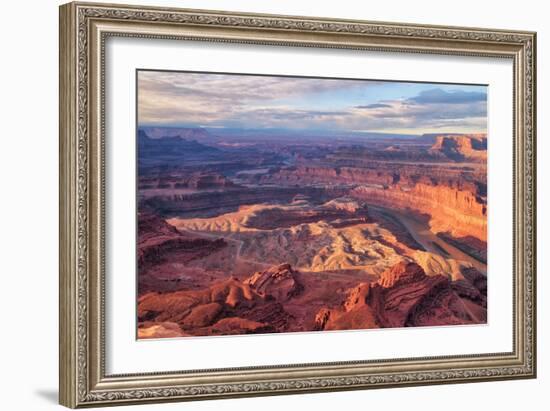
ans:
(269, 204)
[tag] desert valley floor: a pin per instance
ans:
(306, 233)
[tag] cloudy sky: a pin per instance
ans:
(221, 100)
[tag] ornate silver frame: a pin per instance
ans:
(84, 27)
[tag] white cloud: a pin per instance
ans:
(259, 101)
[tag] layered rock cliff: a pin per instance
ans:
(212, 203)
(452, 210)
(160, 244)
(404, 296)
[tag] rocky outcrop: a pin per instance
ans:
(158, 241)
(472, 285)
(152, 226)
(404, 296)
(225, 307)
(354, 314)
(187, 249)
(339, 211)
(403, 291)
(462, 147)
(278, 282)
(403, 273)
(193, 310)
(347, 205)
(161, 243)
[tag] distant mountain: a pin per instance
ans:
(188, 133)
(171, 150)
(288, 134)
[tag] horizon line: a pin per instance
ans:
(392, 132)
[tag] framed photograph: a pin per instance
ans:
(259, 204)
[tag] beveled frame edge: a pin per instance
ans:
(83, 29)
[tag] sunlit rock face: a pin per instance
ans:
(228, 306)
(404, 296)
(458, 211)
(463, 147)
(278, 282)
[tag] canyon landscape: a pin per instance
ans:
(271, 204)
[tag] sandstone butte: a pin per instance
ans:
(471, 147)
